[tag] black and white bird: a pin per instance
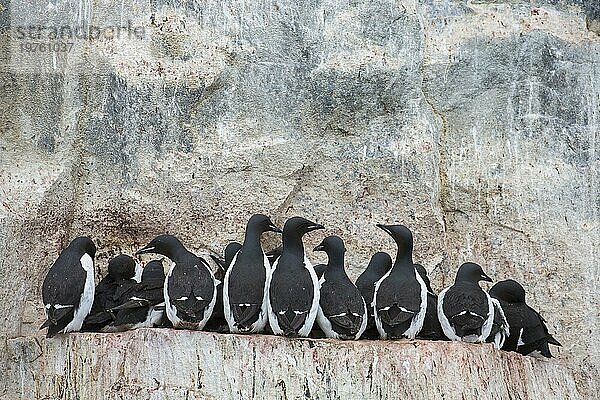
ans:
(400, 297)
(378, 266)
(190, 288)
(500, 328)
(245, 286)
(223, 263)
(528, 333)
(342, 312)
(432, 330)
(145, 308)
(293, 298)
(121, 271)
(217, 322)
(465, 311)
(68, 288)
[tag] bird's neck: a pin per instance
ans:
(252, 238)
(404, 263)
(292, 244)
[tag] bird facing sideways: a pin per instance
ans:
(293, 298)
(400, 296)
(245, 286)
(68, 288)
(528, 333)
(190, 289)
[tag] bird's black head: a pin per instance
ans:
(167, 245)
(423, 274)
(153, 271)
(298, 226)
(262, 223)
(471, 272)
(401, 235)
(331, 245)
(380, 263)
(84, 244)
(121, 267)
(509, 290)
(230, 251)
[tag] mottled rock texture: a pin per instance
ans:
(166, 364)
(473, 123)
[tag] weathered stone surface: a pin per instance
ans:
(473, 123)
(168, 364)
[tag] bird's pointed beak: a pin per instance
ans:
(320, 247)
(486, 278)
(383, 227)
(273, 228)
(315, 227)
(144, 250)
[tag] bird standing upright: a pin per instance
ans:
(293, 298)
(465, 311)
(68, 288)
(342, 310)
(432, 330)
(190, 288)
(379, 265)
(400, 297)
(245, 286)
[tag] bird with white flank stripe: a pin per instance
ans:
(293, 298)
(68, 288)
(465, 311)
(400, 297)
(244, 288)
(528, 333)
(379, 265)
(342, 310)
(190, 288)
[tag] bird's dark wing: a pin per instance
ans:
(398, 300)
(191, 289)
(291, 297)
(65, 281)
(343, 305)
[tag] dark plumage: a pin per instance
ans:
(528, 332)
(145, 307)
(342, 311)
(245, 287)
(432, 330)
(400, 297)
(190, 288)
(379, 265)
(68, 288)
(293, 296)
(217, 322)
(465, 311)
(121, 270)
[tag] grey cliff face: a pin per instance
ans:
(473, 123)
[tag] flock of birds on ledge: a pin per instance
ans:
(253, 292)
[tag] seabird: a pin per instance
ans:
(293, 298)
(432, 330)
(528, 333)
(244, 288)
(190, 289)
(465, 311)
(342, 312)
(217, 322)
(145, 308)
(68, 288)
(121, 269)
(379, 265)
(400, 296)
